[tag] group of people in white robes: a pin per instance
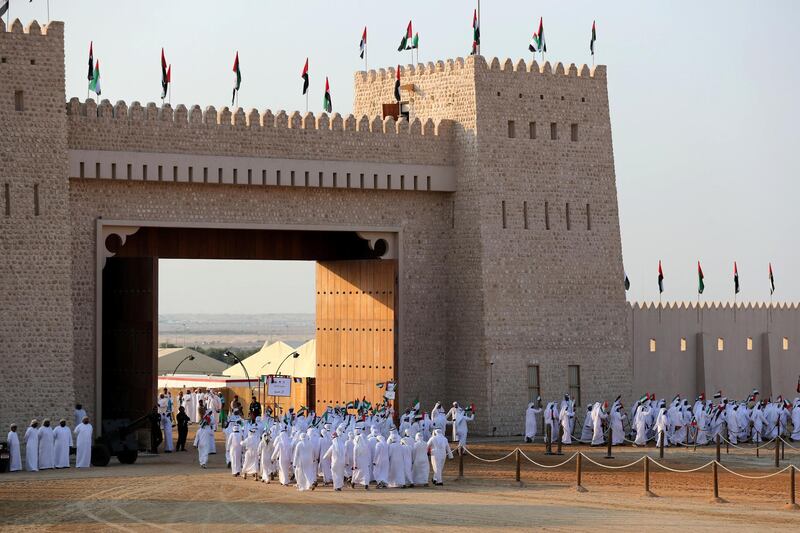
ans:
(677, 423)
(338, 448)
(560, 421)
(48, 447)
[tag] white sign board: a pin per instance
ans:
(279, 386)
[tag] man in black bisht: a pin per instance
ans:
(156, 438)
(255, 407)
(183, 429)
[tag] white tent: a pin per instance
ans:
(269, 357)
(169, 358)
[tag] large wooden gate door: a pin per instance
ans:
(130, 317)
(355, 330)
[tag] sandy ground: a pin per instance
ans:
(169, 492)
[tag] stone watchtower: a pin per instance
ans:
(537, 303)
(35, 240)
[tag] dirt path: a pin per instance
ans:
(170, 492)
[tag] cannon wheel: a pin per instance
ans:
(127, 457)
(100, 455)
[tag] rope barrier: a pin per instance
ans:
(609, 467)
(786, 442)
(490, 460)
(678, 471)
(742, 447)
(571, 457)
(755, 477)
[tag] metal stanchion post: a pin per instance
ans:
(777, 453)
(718, 451)
(608, 451)
(687, 434)
(783, 449)
(662, 438)
(518, 465)
(460, 462)
(757, 450)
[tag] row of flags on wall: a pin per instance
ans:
(409, 41)
(701, 284)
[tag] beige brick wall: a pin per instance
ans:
(523, 294)
(35, 261)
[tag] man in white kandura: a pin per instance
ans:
(305, 471)
(362, 460)
(250, 447)
(15, 463)
(31, 439)
(47, 458)
(336, 456)
(235, 450)
(531, 417)
(63, 442)
(598, 415)
(282, 455)
(439, 449)
(421, 467)
(202, 441)
(83, 444)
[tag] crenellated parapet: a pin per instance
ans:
(714, 306)
(33, 29)
(480, 63)
(235, 132)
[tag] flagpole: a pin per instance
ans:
(479, 26)
(48, 11)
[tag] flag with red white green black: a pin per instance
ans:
(701, 286)
(327, 104)
(406, 41)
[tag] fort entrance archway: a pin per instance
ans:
(356, 300)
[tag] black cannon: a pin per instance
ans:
(118, 439)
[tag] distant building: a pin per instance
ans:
(170, 358)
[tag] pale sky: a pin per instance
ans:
(703, 95)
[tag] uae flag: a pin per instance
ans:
(94, 85)
(238, 81)
(415, 42)
(304, 75)
(660, 278)
(701, 286)
(538, 43)
(594, 38)
(476, 33)
(771, 281)
(627, 282)
(363, 46)
(91, 62)
(397, 85)
(415, 406)
(735, 279)
(164, 75)
(3, 7)
(327, 105)
(405, 42)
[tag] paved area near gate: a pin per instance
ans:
(170, 492)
